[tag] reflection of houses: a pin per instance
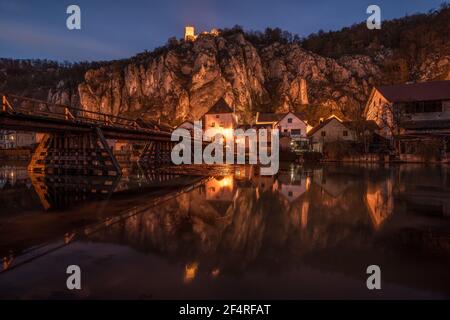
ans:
(292, 186)
(334, 129)
(380, 201)
(333, 183)
(9, 176)
(220, 193)
(418, 112)
(422, 193)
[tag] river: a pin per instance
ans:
(308, 233)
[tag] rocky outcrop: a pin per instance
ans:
(185, 81)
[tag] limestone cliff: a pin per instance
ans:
(184, 81)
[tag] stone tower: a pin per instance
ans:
(189, 33)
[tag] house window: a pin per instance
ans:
(345, 133)
(217, 116)
(290, 194)
(423, 107)
(285, 130)
(213, 124)
(296, 131)
(323, 133)
(289, 120)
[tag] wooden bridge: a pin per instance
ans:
(74, 140)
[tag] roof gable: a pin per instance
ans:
(324, 124)
(221, 106)
(297, 115)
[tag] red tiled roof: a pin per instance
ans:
(424, 91)
(269, 117)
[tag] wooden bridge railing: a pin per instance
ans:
(22, 105)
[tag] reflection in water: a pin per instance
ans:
(380, 200)
(333, 218)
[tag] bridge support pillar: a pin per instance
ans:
(75, 154)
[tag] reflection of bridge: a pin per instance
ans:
(75, 139)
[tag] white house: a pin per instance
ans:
(220, 118)
(334, 129)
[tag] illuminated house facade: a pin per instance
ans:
(334, 129)
(412, 114)
(220, 118)
(293, 130)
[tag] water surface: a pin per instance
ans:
(309, 232)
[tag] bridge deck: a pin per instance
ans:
(26, 114)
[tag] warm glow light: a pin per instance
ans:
(215, 273)
(190, 271)
(308, 183)
(226, 182)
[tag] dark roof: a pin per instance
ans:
(220, 107)
(275, 117)
(370, 125)
(269, 117)
(425, 91)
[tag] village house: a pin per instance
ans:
(16, 139)
(220, 118)
(293, 130)
(334, 129)
(413, 116)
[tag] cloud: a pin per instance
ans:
(65, 45)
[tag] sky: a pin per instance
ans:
(115, 29)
